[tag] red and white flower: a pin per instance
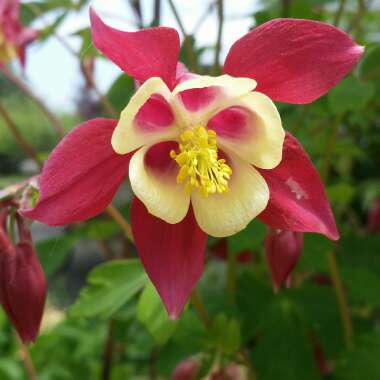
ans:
(13, 36)
(204, 155)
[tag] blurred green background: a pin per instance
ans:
(112, 325)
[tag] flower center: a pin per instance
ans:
(199, 164)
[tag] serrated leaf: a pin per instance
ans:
(152, 314)
(110, 286)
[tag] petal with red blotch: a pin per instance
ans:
(251, 127)
(298, 201)
(81, 176)
(196, 99)
(153, 173)
(293, 61)
(172, 254)
(143, 54)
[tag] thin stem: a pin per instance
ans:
(331, 257)
(187, 41)
(285, 8)
(108, 352)
(231, 277)
(120, 220)
(203, 17)
(24, 144)
(339, 12)
(341, 299)
(355, 24)
(27, 360)
(156, 13)
(200, 308)
(106, 104)
(56, 124)
(218, 46)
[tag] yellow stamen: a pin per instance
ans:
(199, 165)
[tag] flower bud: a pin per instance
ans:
(186, 370)
(22, 281)
(374, 217)
(282, 248)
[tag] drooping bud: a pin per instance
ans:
(374, 217)
(220, 251)
(283, 249)
(22, 281)
(186, 370)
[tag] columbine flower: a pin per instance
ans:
(13, 36)
(204, 155)
(282, 249)
(22, 281)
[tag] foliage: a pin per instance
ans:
(116, 327)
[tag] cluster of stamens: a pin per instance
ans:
(198, 161)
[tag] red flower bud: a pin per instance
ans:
(186, 370)
(22, 281)
(220, 251)
(374, 217)
(282, 248)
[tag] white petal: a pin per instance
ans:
(261, 140)
(225, 88)
(225, 214)
(127, 136)
(158, 190)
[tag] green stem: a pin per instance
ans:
(117, 216)
(187, 42)
(218, 46)
(56, 124)
(231, 277)
(341, 299)
(339, 12)
(22, 142)
(335, 276)
(200, 308)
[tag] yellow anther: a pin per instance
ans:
(200, 167)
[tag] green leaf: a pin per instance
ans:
(121, 91)
(251, 238)
(350, 95)
(369, 66)
(152, 314)
(52, 253)
(225, 334)
(363, 361)
(283, 348)
(110, 286)
(10, 369)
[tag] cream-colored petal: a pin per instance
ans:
(126, 137)
(228, 88)
(261, 144)
(228, 213)
(159, 191)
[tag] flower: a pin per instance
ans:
(373, 221)
(22, 281)
(282, 249)
(204, 155)
(13, 36)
